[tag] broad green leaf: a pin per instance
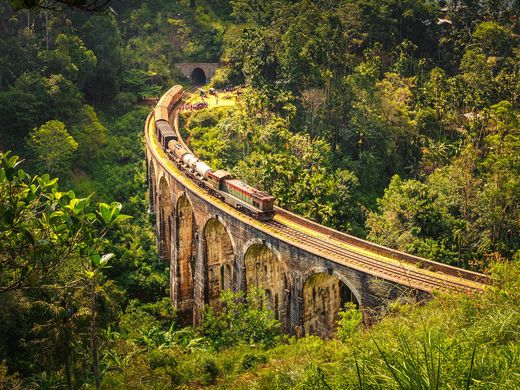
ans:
(122, 217)
(57, 194)
(95, 260)
(12, 161)
(104, 260)
(56, 214)
(105, 212)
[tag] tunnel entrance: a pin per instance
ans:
(219, 261)
(186, 228)
(198, 76)
(263, 270)
(323, 297)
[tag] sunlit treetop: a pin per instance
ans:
(95, 6)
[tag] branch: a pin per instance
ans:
(93, 6)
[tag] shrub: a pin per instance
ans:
(240, 320)
(222, 77)
(210, 370)
(350, 319)
(162, 358)
(252, 359)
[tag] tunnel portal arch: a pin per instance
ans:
(185, 259)
(198, 76)
(324, 295)
(264, 270)
(219, 261)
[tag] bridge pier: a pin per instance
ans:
(199, 283)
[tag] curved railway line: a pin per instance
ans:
(387, 271)
(381, 262)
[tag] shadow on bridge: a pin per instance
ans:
(264, 270)
(185, 260)
(324, 295)
(219, 261)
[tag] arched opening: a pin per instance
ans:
(219, 261)
(198, 76)
(151, 186)
(165, 220)
(323, 297)
(186, 252)
(264, 270)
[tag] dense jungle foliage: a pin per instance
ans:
(392, 120)
(396, 121)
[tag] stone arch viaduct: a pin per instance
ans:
(307, 271)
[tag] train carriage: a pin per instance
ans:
(164, 133)
(219, 183)
(216, 178)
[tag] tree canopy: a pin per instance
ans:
(95, 6)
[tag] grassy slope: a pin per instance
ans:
(452, 342)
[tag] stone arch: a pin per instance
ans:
(152, 180)
(185, 259)
(264, 269)
(219, 261)
(198, 76)
(324, 294)
(165, 218)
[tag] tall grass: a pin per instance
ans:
(453, 342)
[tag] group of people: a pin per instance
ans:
(194, 106)
(203, 94)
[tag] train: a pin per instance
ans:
(220, 183)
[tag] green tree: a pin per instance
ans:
(48, 236)
(412, 220)
(96, 6)
(90, 135)
(494, 39)
(240, 321)
(477, 77)
(499, 199)
(73, 59)
(53, 147)
(101, 35)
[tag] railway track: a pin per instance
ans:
(392, 269)
(397, 273)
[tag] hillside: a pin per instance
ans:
(398, 122)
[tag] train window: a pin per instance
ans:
(256, 204)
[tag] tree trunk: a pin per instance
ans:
(67, 371)
(46, 14)
(93, 332)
